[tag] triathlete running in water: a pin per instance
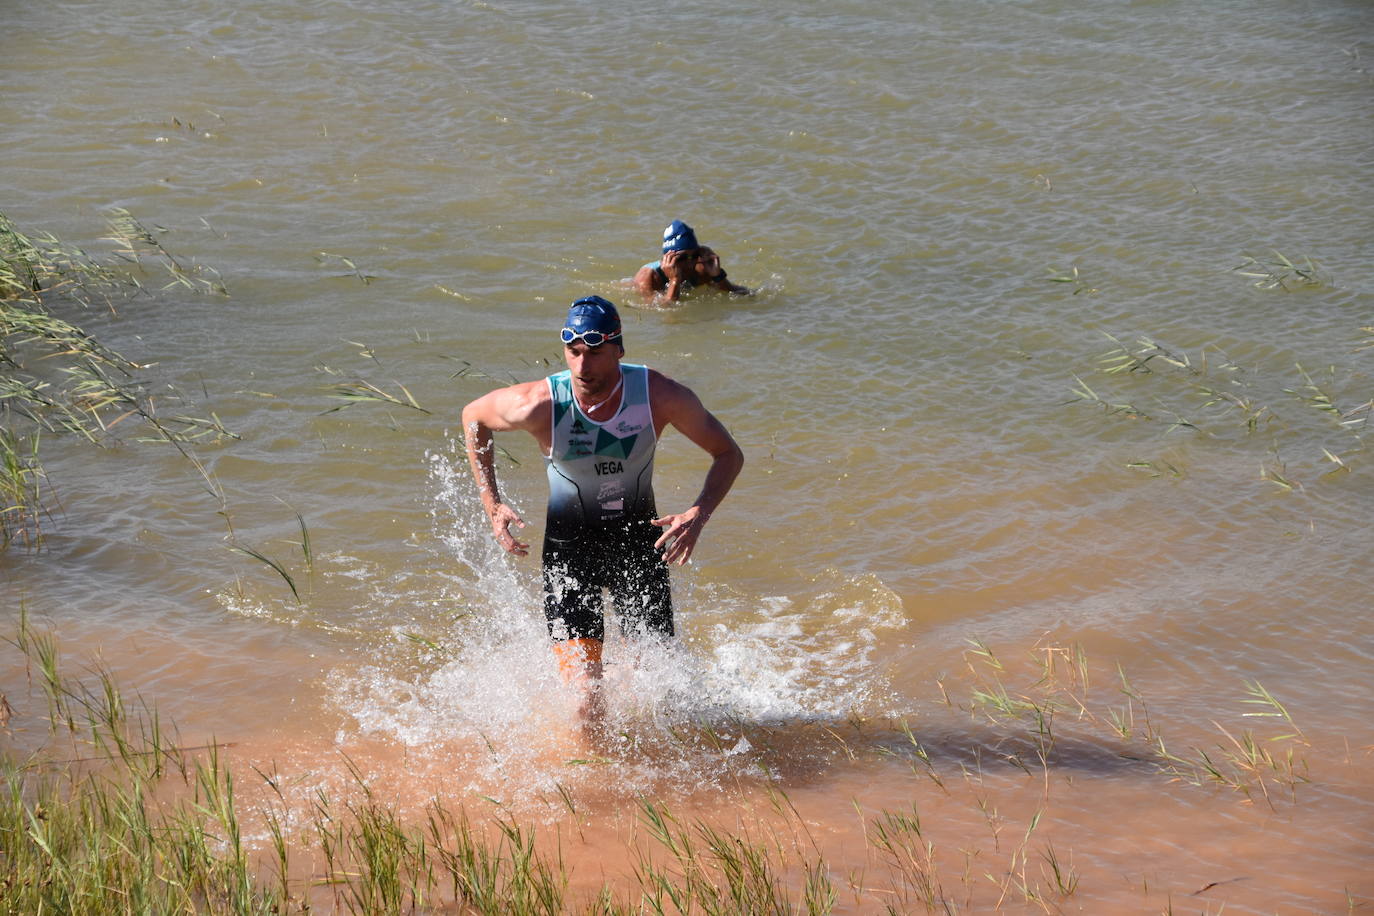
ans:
(597, 424)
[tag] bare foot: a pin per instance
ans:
(591, 714)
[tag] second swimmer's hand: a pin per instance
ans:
(708, 265)
(680, 533)
(502, 517)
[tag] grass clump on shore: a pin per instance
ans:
(113, 814)
(110, 812)
(57, 379)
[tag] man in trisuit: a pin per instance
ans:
(597, 424)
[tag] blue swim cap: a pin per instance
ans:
(679, 237)
(592, 314)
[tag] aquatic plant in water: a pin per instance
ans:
(56, 378)
(1276, 271)
(1211, 397)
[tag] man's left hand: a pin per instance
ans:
(708, 264)
(680, 534)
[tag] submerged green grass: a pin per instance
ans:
(1317, 424)
(58, 380)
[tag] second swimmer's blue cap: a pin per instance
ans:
(679, 237)
(592, 313)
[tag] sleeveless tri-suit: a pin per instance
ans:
(601, 498)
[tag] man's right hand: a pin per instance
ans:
(675, 266)
(502, 517)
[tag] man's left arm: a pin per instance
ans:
(681, 408)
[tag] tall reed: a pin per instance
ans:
(56, 378)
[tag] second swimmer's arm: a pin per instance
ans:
(712, 273)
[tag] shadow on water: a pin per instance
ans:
(981, 747)
(808, 753)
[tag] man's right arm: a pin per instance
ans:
(516, 407)
(647, 279)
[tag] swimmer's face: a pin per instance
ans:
(593, 367)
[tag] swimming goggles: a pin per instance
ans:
(590, 338)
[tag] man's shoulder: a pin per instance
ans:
(663, 388)
(650, 277)
(521, 406)
(528, 396)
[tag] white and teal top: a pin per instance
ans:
(600, 472)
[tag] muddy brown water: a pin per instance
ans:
(945, 210)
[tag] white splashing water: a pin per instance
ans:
(495, 711)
